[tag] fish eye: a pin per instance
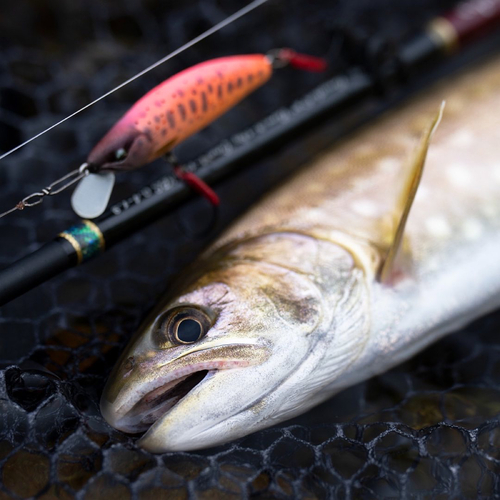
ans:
(188, 330)
(183, 325)
(120, 154)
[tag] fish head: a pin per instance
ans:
(220, 360)
(123, 148)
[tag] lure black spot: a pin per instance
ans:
(192, 105)
(210, 88)
(239, 82)
(230, 87)
(171, 119)
(219, 91)
(182, 111)
(204, 102)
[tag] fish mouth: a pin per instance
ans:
(136, 410)
(156, 403)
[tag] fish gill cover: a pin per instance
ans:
(428, 427)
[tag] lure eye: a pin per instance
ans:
(120, 154)
(183, 325)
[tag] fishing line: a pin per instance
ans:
(232, 18)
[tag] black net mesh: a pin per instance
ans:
(429, 428)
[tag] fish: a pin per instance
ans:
(379, 247)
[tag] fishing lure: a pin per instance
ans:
(167, 115)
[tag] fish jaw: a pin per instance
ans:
(206, 397)
(219, 409)
(231, 402)
(156, 385)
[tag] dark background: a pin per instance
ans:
(428, 428)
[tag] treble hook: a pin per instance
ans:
(56, 187)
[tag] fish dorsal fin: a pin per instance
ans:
(407, 196)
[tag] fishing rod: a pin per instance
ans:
(444, 36)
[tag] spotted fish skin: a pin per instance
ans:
(296, 279)
(178, 108)
(448, 269)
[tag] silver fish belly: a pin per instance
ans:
(288, 307)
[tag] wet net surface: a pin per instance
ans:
(428, 428)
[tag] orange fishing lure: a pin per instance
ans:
(184, 104)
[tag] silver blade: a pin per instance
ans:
(91, 196)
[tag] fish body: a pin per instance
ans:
(177, 108)
(288, 307)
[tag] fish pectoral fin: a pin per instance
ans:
(407, 196)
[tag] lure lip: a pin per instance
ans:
(124, 413)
